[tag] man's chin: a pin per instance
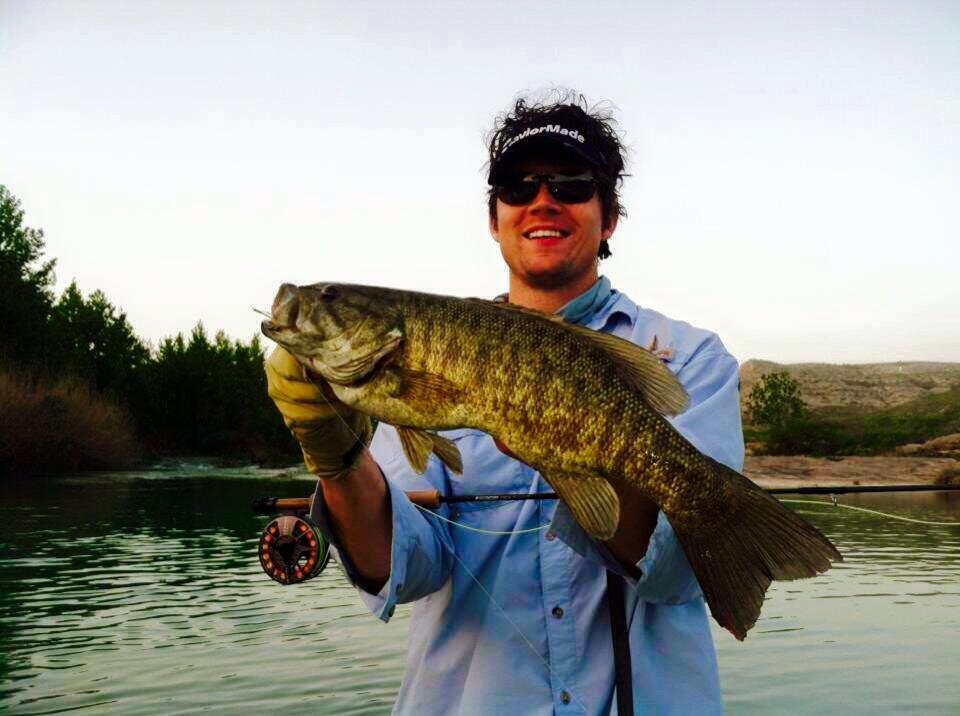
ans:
(550, 278)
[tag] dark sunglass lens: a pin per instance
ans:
(517, 192)
(573, 192)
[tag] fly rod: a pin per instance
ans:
(292, 549)
(431, 499)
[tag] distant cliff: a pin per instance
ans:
(870, 385)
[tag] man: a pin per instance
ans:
(508, 618)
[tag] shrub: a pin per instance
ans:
(807, 434)
(775, 401)
(57, 425)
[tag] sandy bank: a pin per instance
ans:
(799, 471)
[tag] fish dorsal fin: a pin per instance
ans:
(504, 306)
(592, 501)
(636, 365)
(642, 369)
(418, 444)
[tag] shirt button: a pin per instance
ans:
(551, 536)
(564, 698)
(557, 612)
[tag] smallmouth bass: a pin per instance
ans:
(585, 409)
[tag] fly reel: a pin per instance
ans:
(291, 549)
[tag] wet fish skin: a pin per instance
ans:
(572, 403)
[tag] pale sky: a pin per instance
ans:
(796, 165)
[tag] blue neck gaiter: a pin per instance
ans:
(582, 308)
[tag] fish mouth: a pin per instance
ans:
(286, 336)
(281, 327)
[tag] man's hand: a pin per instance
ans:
(331, 434)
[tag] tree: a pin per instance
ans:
(26, 286)
(775, 401)
(96, 341)
(210, 397)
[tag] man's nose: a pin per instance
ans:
(544, 202)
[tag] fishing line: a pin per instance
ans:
(835, 503)
(477, 529)
(474, 577)
(516, 628)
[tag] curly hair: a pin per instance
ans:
(595, 122)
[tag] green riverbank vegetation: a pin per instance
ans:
(80, 390)
(778, 422)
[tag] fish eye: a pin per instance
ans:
(329, 292)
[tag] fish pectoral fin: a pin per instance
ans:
(643, 370)
(418, 444)
(431, 389)
(592, 501)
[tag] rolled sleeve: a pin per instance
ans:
(420, 555)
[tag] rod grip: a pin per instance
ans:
(294, 504)
(425, 498)
(270, 505)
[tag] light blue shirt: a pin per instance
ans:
(535, 637)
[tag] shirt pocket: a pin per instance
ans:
(486, 470)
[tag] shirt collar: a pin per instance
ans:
(596, 307)
(617, 304)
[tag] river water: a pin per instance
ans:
(140, 593)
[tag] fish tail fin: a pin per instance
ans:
(757, 540)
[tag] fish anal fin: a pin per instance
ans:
(592, 500)
(417, 445)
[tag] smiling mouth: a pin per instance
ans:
(546, 234)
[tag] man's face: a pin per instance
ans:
(567, 255)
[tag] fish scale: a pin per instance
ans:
(574, 404)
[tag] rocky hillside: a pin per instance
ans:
(869, 385)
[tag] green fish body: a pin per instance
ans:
(585, 409)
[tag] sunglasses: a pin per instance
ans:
(567, 189)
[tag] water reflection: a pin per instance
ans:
(878, 633)
(147, 593)
(144, 593)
